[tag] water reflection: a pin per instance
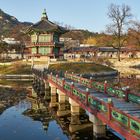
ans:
(14, 125)
(74, 126)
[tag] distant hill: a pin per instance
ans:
(79, 34)
(11, 27)
(10, 23)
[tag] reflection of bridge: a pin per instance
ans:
(119, 109)
(70, 124)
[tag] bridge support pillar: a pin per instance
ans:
(62, 111)
(99, 129)
(61, 96)
(53, 92)
(47, 92)
(34, 94)
(34, 80)
(75, 109)
(53, 89)
(53, 101)
(42, 88)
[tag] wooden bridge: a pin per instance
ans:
(116, 108)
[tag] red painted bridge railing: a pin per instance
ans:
(119, 93)
(123, 123)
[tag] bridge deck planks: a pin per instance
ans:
(127, 107)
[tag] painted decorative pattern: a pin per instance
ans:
(90, 101)
(83, 96)
(134, 98)
(75, 92)
(135, 126)
(98, 86)
(78, 94)
(67, 87)
(116, 92)
(102, 107)
(94, 84)
(97, 104)
(120, 117)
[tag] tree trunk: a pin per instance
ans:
(119, 58)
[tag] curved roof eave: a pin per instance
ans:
(46, 26)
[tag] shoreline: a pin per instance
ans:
(10, 96)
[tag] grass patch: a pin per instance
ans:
(80, 68)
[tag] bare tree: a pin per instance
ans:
(134, 34)
(120, 16)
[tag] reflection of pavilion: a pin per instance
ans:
(38, 110)
(70, 124)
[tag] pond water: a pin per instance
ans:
(14, 125)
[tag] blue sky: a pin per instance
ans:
(81, 14)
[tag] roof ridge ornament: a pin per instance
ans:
(44, 15)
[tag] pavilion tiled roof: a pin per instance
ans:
(44, 25)
(47, 26)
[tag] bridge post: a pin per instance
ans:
(65, 74)
(105, 87)
(110, 104)
(33, 94)
(72, 86)
(72, 75)
(63, 82)
(99, 129)
(91, 80)
(87, 94)
(80, 79)
(126, 94)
